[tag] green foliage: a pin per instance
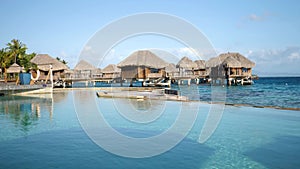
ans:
(62, 61)
(5, 59)
(15, 52)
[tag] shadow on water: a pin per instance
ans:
(73, 149)
(284, 152)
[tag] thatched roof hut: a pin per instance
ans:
(44, 60)
(84, 65)
(233, 60)
(14, 68)
(186, 63)
(143, 58)
(200, 64)
(84, 69)
(111, 68)
(171, 68)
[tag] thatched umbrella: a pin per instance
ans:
(14, 68)
(44, 60)
(186, 63)
(111, 68)
(143, 58)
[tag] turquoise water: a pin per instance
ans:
(45, 133)
(266, 91)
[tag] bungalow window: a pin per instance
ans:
(244, 70)
(153, 70)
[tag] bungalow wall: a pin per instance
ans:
(158, 73)
(217, 72)
(200, 72)
(220, 71)
(111, 75)
(129, 72)
(56, 75)
(141, 72)
(185, 72)
(239, 72)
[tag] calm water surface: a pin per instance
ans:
(267, 91)
(45, 133)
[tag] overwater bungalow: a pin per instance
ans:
(186, 67)
(200, 70)
(44, 62)
(172, 71)
(142, 65)
(84, 70)
(111, 71)
(234, 68)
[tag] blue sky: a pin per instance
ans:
(268, 32)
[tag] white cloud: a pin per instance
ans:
(253, 18)
(256, 17)
(276, 62)
(294, 56)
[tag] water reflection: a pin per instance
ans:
(25, 112)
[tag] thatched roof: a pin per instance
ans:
(231, 62)
(186, 64)
(14, 68)
(44, 60)
(235, 58)
(171, 68)
(143, 58)
(84, 65)
(69, 71)
(111, 68)
(200, 64)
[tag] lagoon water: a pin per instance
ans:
(281, 92)
(45, 133)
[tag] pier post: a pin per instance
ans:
(228, 82)
(189, 82)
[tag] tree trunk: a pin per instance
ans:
(5, 75)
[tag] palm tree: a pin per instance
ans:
(62, 61)
(16, 49)
(5, 61)
(15, 52)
